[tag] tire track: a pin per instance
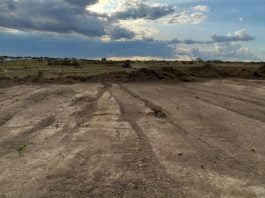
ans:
(86, 113)
(140, 157)
(242, 94)
(31, 99)
(158, 110)
(62, 182)
(209, 148)
(225, 95)
(245, 114)
(21, 94)
(25, 136)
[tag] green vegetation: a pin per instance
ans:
(23, 148)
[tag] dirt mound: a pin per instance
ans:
(207, 70)
(145, 74)
(163, 73)
(5, 82)
(3, 78)
(140, 75)
(260, 71)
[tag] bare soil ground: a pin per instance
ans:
(203, 139)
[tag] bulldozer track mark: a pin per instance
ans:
(225, 95)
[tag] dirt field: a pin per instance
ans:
(203, 139)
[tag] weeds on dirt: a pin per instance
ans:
(40, 74)
(23, 148)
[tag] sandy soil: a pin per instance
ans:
(204, 139)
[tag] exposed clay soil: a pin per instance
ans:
(200, 139)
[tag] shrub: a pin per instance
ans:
(40, 73)
(127, 64)
(64, 62)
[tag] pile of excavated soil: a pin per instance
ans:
(207, 71)
(260, 72)
(144, 74)
(5, 82)
(179, 74)
(185, 74)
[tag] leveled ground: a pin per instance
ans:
(203, 139)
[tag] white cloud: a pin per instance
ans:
(138, 58)
(201, 8)
(217, 51)
(187, 17)
(241, 19)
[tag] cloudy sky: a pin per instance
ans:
(156, 29)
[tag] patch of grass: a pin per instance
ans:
(23, 148)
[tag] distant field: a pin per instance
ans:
(22, 69)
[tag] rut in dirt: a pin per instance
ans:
(86, 113)
(142, 174)
(25, 136)
(140, 157)
(157, 111)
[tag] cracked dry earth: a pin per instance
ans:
(202, 139)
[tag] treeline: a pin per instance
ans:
(66, 62)
(77, 62)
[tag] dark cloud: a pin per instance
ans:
(50, 16)
(82, 3)
(120, 33)
(12, 44)
(11, 5)
(143, 10)
(58, 16)
(72, 17)
(187, 42)
(240, 35)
